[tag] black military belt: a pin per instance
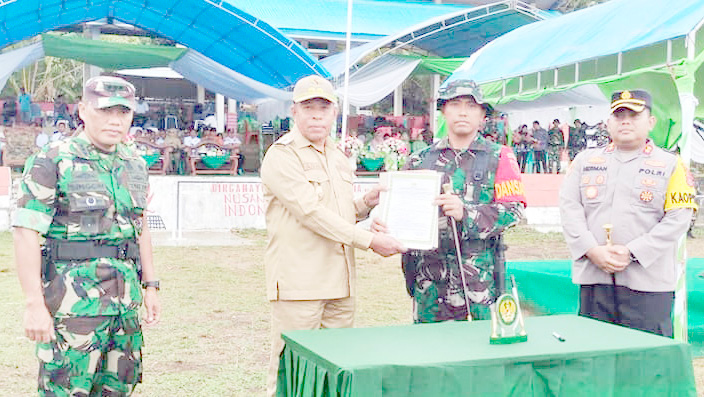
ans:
(62, 250)
(447, 243)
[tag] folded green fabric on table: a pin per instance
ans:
(151, 159)
(214, 161)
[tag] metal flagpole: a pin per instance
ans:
(345, 90)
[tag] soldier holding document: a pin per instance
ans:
(485, 198)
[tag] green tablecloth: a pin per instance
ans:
(214, 161)
(547, 287)
(151, 159)
(456, 359)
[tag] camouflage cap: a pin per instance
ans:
(106, 91)
(459, 88)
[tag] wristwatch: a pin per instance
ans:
(147, 284)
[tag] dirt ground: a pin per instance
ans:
(213, 337)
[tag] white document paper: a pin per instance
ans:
(407, 207)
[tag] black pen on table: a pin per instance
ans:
(558, 336)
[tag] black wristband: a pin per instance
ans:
(155, 284)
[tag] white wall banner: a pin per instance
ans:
(212, 203)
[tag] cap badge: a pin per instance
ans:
(626, 95)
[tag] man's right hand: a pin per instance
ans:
(602, 257)
(38, 323)
(385, 245)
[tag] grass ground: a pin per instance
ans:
(213, 337)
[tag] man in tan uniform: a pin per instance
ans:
(647, 195)
(310, 216)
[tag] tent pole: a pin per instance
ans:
(688, 103)
(220, 112)
(432, 108)
(91, 32)
(345, 99)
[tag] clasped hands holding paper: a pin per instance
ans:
(408, 202)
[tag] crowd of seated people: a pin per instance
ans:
(182, 144)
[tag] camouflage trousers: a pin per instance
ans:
(438, 294)
(554, 159)
(92, 356)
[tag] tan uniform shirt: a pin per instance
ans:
(647, 198)
(310, 217)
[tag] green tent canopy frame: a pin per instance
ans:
(649, 67)
(109, 55)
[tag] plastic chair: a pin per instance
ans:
(170, 121)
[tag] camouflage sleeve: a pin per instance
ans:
(414, 161)
(483, 221)
(35, 206)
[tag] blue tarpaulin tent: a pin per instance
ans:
(217, 30)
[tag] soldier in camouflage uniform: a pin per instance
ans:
(488, 198)
(556, 142)
(86, 195)
(577, 140)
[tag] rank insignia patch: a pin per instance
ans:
(648, 182)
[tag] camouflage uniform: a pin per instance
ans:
(556, 142)
(576, 142)
(73, 192)
(494, 201)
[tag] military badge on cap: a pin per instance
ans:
(646, 196)
(635, 100)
